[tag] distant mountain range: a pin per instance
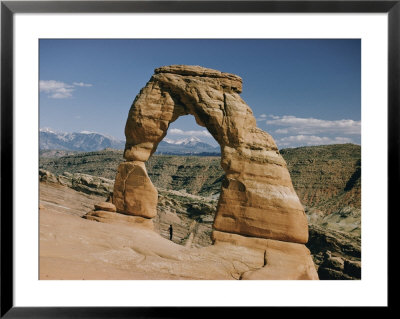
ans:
(83, 141)
(90, 141)
(187, 146)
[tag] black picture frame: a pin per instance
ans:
(9, 8)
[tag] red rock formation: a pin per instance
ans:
(257, 197)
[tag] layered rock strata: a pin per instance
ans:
(105, 212)
(257, 196)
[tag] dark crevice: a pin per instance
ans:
(354, 178)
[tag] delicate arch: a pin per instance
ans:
(257, 196)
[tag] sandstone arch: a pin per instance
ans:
(257, 196)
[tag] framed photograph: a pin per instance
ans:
(155, 153)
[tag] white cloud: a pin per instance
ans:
(282, 131)
(56, 89)
(262, 117)
(298, 125)
(297, 140)
(59, 90)
(82, 84)
(177, 131)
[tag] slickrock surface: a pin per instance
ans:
(63, 199)
(257, 197)
(74, 248)
(282, 260)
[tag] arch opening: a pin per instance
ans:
(186, 170)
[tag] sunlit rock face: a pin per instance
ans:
(134, 193)
(257, 196)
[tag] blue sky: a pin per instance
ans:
(302, 92)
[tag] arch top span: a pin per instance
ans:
(211, 96)
(229, 80)
(257, 196)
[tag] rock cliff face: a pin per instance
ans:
(326, 177)
(80, 182)
(257, 197)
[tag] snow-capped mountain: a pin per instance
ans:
(184, 141)
(86, 141)
(83, 141)
(190, 145)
